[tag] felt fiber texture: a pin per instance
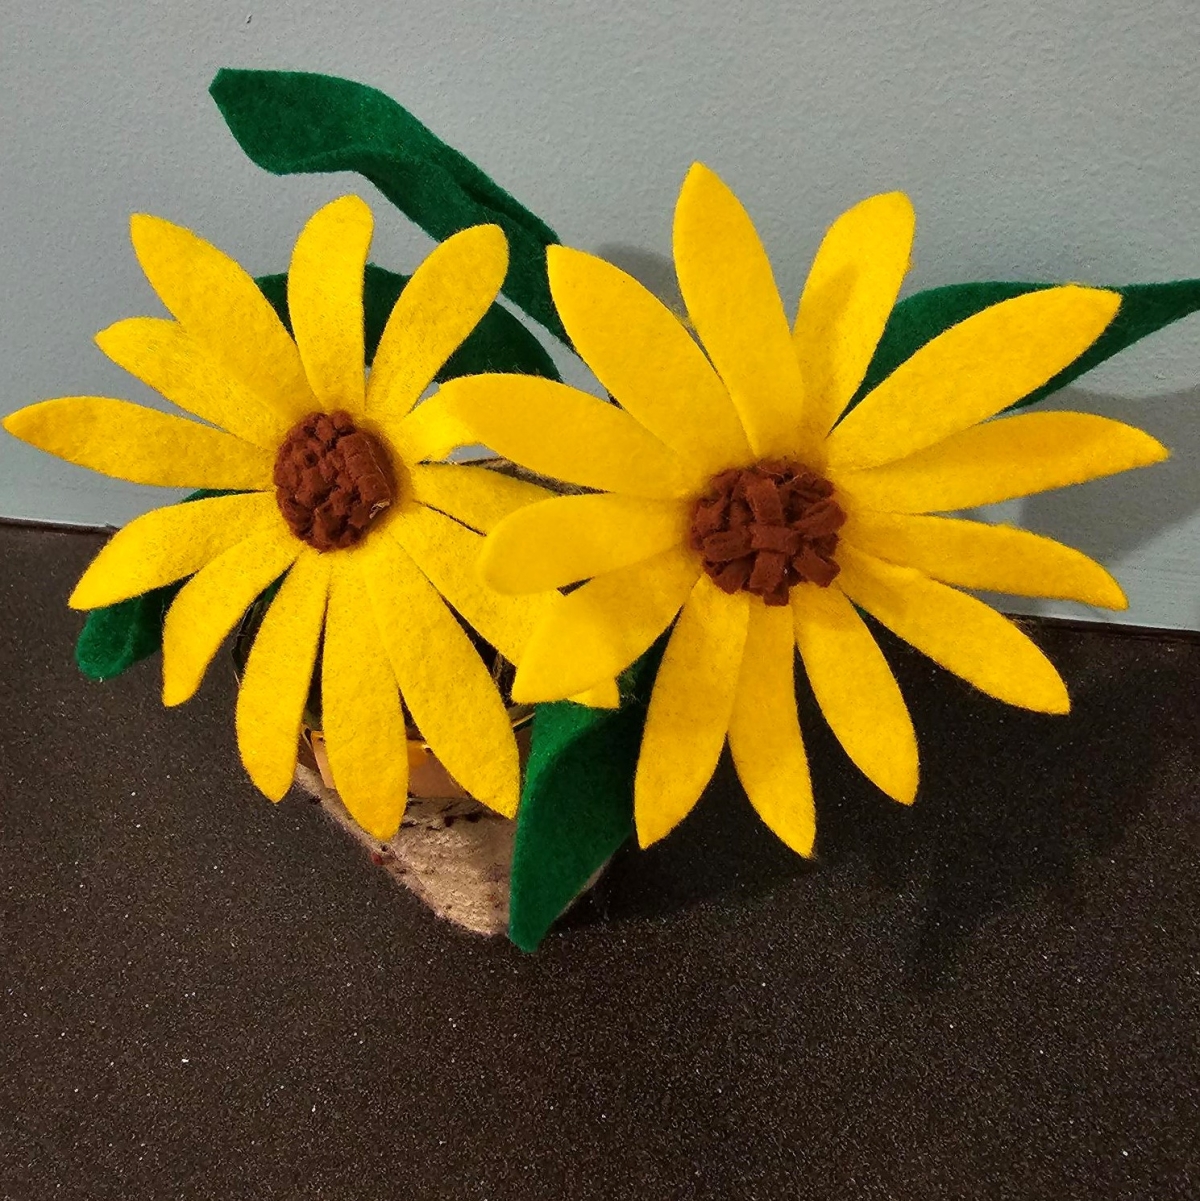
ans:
(577, 801)
(498, 343)
(292, 122)
(1145, 309)
(477, 496)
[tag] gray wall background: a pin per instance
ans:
(1047, 139)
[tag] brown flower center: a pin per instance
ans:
(767, 527)
(331, 480)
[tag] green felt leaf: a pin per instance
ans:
(291, 122)
(1145, 309)
(577, 802)
(498, 343)
(116, 637)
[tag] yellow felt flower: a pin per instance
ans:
(334, 496)
(728, 492)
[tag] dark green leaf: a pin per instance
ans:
(290, 122)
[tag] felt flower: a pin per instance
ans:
(333, 497)
(733, 491)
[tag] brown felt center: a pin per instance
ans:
(331, 480)
(764, 528)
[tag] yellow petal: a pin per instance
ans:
(568, 435)
(141, 445)
(598, 630)
(970, 372)
(476, 496)
(998, 558)
(219, 304)
(571, 538)
(430, 431)
(999, 460)
(212, 603)
(449, 692)
(361, 716)
(733, 302)
(165, 545)
(325, 301)
(442, 303)
(164, 356)
(764, 730)
(851, 289)
(448, 554)
(855, 688)
(689, 709)
(641, 352)
(600, 696)
(279, 671)
(956, 631)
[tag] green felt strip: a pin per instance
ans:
(498, 343)
(291, 122)
(1145, 309)
(577, 802)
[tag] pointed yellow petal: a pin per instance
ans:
(141, 445)
(597, 631)
(764, 730)
(971, 372)
(568, 435)
(449, 692)
(641, 352)
(689, 709)
(733, 302)
(854, 686)
(442, 303)
(956, 631)
(164, 356)
(998, 558)
(219, 304)
(448, 554)
(851, 289)
(476, 496)
(571, 538)
(361, 716)
(430, 431)
(212, 603)
(601, 696)
(270, 704)
(325, 301)
(165, 545)
(999, 460)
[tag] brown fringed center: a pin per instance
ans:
(767, 527)
(331, 480)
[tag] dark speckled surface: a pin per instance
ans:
(993, 995)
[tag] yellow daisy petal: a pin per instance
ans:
(361, 717)
(270, 704)
(851, 289)
(571, 538)
(164, 356)
(957, 631)
(999, 460)
(641, 352)
(971, 372)
(689, 709)
(733, 302)
(141, 445)
(325, 301)
(764, 730)
(212, 603)
(449, 692)
(217, 302)
(855, 688)
(165, 545)
(430, 431)
(476, 496)
(560, 432)
(598, 630)
(998, 558)
(443, 302)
